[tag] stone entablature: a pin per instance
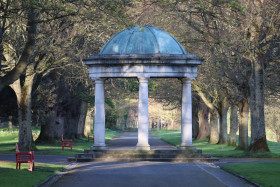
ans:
(177, 66)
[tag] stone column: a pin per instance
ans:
(143, 115)
(186, 115)
(99, 115)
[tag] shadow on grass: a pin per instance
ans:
(217, 150)
(263, 173)
(12, 177)
(9, 139)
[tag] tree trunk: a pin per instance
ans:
(233, 125)
(158, 126)
(63, 117)
(214, 131)
(10, 123)
(61, 120)
(203, 113)
(17, 89)
(70, 121)
(82, 119)
(124, 122)
(195, 128)
(195, 122)
(258, 134)
(223, 121)
(25, 121)
(120, 116)
(89, 121)
(130, 117)
(171, 125)
(51, 129)
(278, 138)
(214, 135)
(243, 114)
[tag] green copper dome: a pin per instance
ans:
(142, 40)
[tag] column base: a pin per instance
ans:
(143, 147)
(98, 147)
(187, 148)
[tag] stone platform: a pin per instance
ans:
(142, 155)
(123, 148)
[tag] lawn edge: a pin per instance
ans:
(53, 178)
(241, 177)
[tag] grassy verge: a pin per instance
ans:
(263, 173)
(9, 139)
(12, 177)
(174, 137)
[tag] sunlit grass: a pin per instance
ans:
(174, 137)
(263, 173)
(12, 177)
(9, 139)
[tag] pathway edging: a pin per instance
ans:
(241, 177)
(52, 179)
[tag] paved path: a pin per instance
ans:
(127, 174)
(128, 140)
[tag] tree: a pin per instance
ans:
(262, 26)
(219, 108)
(52, 20)
(30, 11)
(61, 111)
(214, 133)
(254, 27)
(69, 41)
(272, 118)
(233, 126)
(203, 113)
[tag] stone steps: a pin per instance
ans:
(142, 155)
(187, 160)
(86, 155)
(133, 151)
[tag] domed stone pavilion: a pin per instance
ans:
(143, 52)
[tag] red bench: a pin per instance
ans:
(90, 138)
(66, 143)
(25, 157)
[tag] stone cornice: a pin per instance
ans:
(171, 59)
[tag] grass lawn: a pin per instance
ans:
(9, 139)
(263, 173)
(174, 137)
(9, 176)
(12, 177)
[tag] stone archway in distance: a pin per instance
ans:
(143, 52)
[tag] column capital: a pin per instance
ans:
(99, 80)
(186, 80)
(143, 79)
